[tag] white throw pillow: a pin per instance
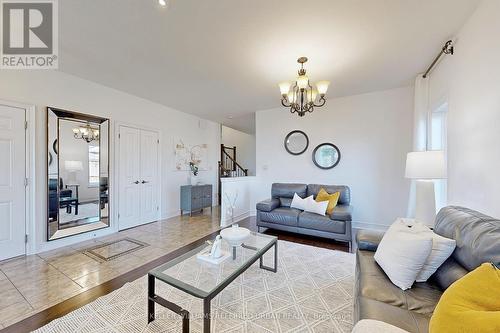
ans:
(298, 202)
(442, 248)
(402, 253)
(375, 326)
(312, 206)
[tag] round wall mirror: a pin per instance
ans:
(326, 156)
(296, 142)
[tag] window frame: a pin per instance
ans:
(93, 157)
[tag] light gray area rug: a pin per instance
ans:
(84, 211)
(312, 292)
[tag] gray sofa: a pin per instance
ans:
(478, 241)
(275, 213)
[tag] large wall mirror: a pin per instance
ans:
(78, 173)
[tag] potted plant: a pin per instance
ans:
(194, 173)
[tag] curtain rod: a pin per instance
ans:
(447, 49)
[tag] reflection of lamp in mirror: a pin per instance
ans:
(73, 167)
(87, 133)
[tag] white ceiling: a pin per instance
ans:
(224, 58)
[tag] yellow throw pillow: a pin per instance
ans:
(331, 198)
(470, 304)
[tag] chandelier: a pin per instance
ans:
(300, 96)
(86, 133)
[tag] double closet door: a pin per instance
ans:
(139, 186)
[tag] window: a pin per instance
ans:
(93, 165)
(437, 141)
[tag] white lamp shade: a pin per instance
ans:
(284, 87)
(426, 165)
(72, 166)
(311, 95)
(302, 82)
(322, 87)
(292, 97)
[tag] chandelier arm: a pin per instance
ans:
(284, 102)
(322, 102)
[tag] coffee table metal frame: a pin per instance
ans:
(206, 296)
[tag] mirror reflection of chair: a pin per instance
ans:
(103, 192)
(54, 185)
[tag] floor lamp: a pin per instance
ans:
(424, 167)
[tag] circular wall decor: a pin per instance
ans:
(296, 142)
(54, 146)
(326, 156)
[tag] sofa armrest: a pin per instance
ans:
(368, 240)
(342, 213)
(268, 205)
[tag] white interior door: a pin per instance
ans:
(129, 206)
(149, 176)
(139, 177)
(12, 176)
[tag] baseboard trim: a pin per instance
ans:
(225, 222)
(369, 226)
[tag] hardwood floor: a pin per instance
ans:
(42, 318)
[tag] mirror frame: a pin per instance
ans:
(288, 136)
(71, 115)
(326, 144)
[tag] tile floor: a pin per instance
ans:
(32, 283)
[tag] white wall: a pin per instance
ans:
(470, 82)
(245, 147)
(237, 192)
(373, 132)
(53, 88)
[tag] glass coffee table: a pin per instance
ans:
(213, 277)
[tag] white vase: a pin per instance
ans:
(194, 180)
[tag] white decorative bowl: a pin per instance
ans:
(235, 235)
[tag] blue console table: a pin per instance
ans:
(195, 198)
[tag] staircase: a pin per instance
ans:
(228, 167)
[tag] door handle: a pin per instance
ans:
(144, 182)
(136, 182)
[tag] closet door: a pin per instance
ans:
(149, 176)
(12, 176)
(129, 211)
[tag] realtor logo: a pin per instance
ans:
(29, 34)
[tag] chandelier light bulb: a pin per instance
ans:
(302, 82)
(284, 87)
(292, 97)
(311, 95)
(322, 87)
(162, 3)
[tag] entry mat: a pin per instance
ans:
(115, 249)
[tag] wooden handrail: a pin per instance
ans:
(236, 163)
(228, 165)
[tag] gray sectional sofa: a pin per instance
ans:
(478, 241)
(275, 213)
